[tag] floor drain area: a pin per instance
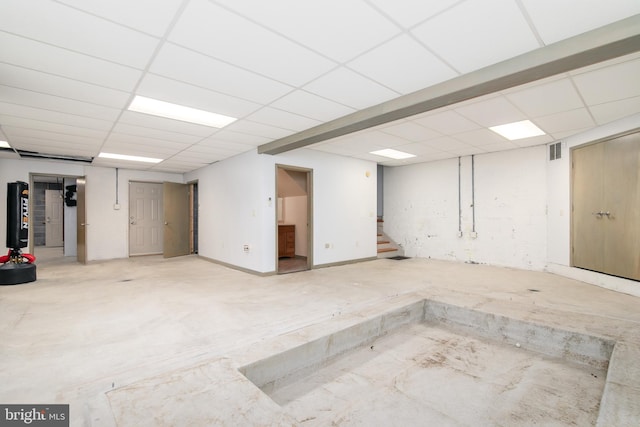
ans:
(430, 373)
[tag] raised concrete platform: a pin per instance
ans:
(149, 341)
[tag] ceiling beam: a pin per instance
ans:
(608, 42)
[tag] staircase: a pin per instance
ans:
(387, 248)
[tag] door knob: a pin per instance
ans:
(166, 223)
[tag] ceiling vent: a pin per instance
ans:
(36, 155)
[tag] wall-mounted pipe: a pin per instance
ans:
(473, 194)
(459, 196)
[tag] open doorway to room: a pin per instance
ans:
(53, 218)
(294, 219)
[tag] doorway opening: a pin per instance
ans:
(294, 219)
(53, 218)
(163, 218)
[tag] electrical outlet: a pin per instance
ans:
(474, 234)
(327, 245)
(459, 233)
(245, 248)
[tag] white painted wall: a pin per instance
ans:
(107, 233)
(238, 207)
(421, 208)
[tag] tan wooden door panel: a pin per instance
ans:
(177, 240)
(81, 221)
(622, 204)
(587, 222)
(53, 227)
(145, 218)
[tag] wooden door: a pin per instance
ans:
(145, 218)
(53, 218)
(606, 207)
(588, 194)
(622, 206)
(177, 240)
(81, 221)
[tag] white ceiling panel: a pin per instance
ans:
(48, 146)
(153, 143)
(446, 122)
(60, 25)
(480, 137)
(46, 135)
(165, 89)
(154, 122)
(338, 29)
(258, 129)
(62, 62)
(312, 106)
(605, 113)
(241, 42)
(411, 12)
(200, 70)
(530, 142)
(610, 84)
(20, 122)
(564, 121)
(446, 144)
(238, 137)
(161, 134)
(176, 166)
(40, 115)
(55, 103)
(557, 20)
(149, 16)
(349, 88)
(491, 111)
(37, 81)
(549, 98)
(471, 35)
(402, 65)
(417, 148)
(282, 119)
(411, 131)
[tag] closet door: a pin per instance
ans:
(622, 206)
(606, 207)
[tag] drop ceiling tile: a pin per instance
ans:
(175, 166)
(21, 132)
(155, 122)
(566, 120)
(609, 84)
(446, 122)
(123, 164)
(530, 142)
(258, 129)
(476, 34)
(121, 147)
(12, 110)
(480, 137)
(46, 146)
(43, 57)
(250, 46)
(26, 123)
(491, 112)
(56, 103)
(349, 88)
(151, 143)
(417, 148)
(240, 138)
(62, 26)
(605, 113)
(402, 65)
(282, 119)
(199, 70)
(133, 14)
(549, 98)
(550, 17)
(411, 12)
(338, 29)
(411, 132)
(37, 81)
(165, 135)
(560, 135)
(169, 90)
(467, 151)
(446, 144)
(213, 145)
(312, 106)
(500, 146)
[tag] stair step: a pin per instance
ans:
(383, 242)
(381, 250)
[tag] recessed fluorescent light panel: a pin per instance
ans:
(130, 158)
(4, 144)
(393, 154)
(179, 112)
(518, 130)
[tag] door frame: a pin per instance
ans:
(309, 173)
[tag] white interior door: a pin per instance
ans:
(53, 218)
(145, 218)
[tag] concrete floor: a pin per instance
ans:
(149, 341)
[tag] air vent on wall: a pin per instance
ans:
(36, 155)
(555, 151)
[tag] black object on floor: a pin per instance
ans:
(398, 258)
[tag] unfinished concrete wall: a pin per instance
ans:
(498, 217)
